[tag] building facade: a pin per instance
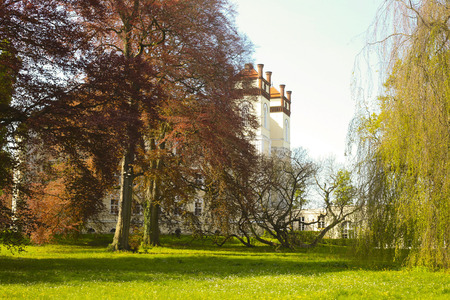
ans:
(272, 108)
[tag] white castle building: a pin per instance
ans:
(272, 109)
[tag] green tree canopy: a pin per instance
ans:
(404, 141)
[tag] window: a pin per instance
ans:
(198, 209)
(321, 222)
(347, 230)
(286, 128)
(114, 207)
(245, 113)
(302, 226)
(266, 115)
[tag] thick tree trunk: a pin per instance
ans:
(153, 207)
(151, 215)
(121, 235)
(154, 225)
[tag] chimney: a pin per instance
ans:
(282, 86)
(260, 75)
(260, 70)
(269, 77)
(289, 93)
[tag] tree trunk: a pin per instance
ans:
(151, 215)
(153, 207)
(16, 192)
(321, 234)
(121, 235)
(147, 216)
(17, 199)
(154, 225)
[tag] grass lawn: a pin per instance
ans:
(85, 270)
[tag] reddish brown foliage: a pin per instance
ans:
(135, 73)
(63, 200)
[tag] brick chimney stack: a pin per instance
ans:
(282, 86)
(289, 93)
(269, 77)
(260, 75)
(260, 70)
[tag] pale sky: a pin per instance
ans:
(311, 46)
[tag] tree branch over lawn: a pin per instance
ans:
(273, 201)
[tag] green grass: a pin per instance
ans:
(85, 270)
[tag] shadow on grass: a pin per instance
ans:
(157, 267)
(190, 259)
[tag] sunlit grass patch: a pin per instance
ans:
(81, 271)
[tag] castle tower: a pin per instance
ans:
(258, 103)
(272, 109)
(280, 115)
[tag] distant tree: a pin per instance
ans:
(342, 198)
(272, 201)
(281, 190)
(403, 140)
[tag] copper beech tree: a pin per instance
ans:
(175, 64)
(147, 84)
(41, 46)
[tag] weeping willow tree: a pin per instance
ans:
(403, 135)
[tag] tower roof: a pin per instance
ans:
(274, 93)
(249, 71)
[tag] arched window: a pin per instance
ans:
(245, 113)
(266, 116)
(286, 128)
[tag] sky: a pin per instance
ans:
(311, 46)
